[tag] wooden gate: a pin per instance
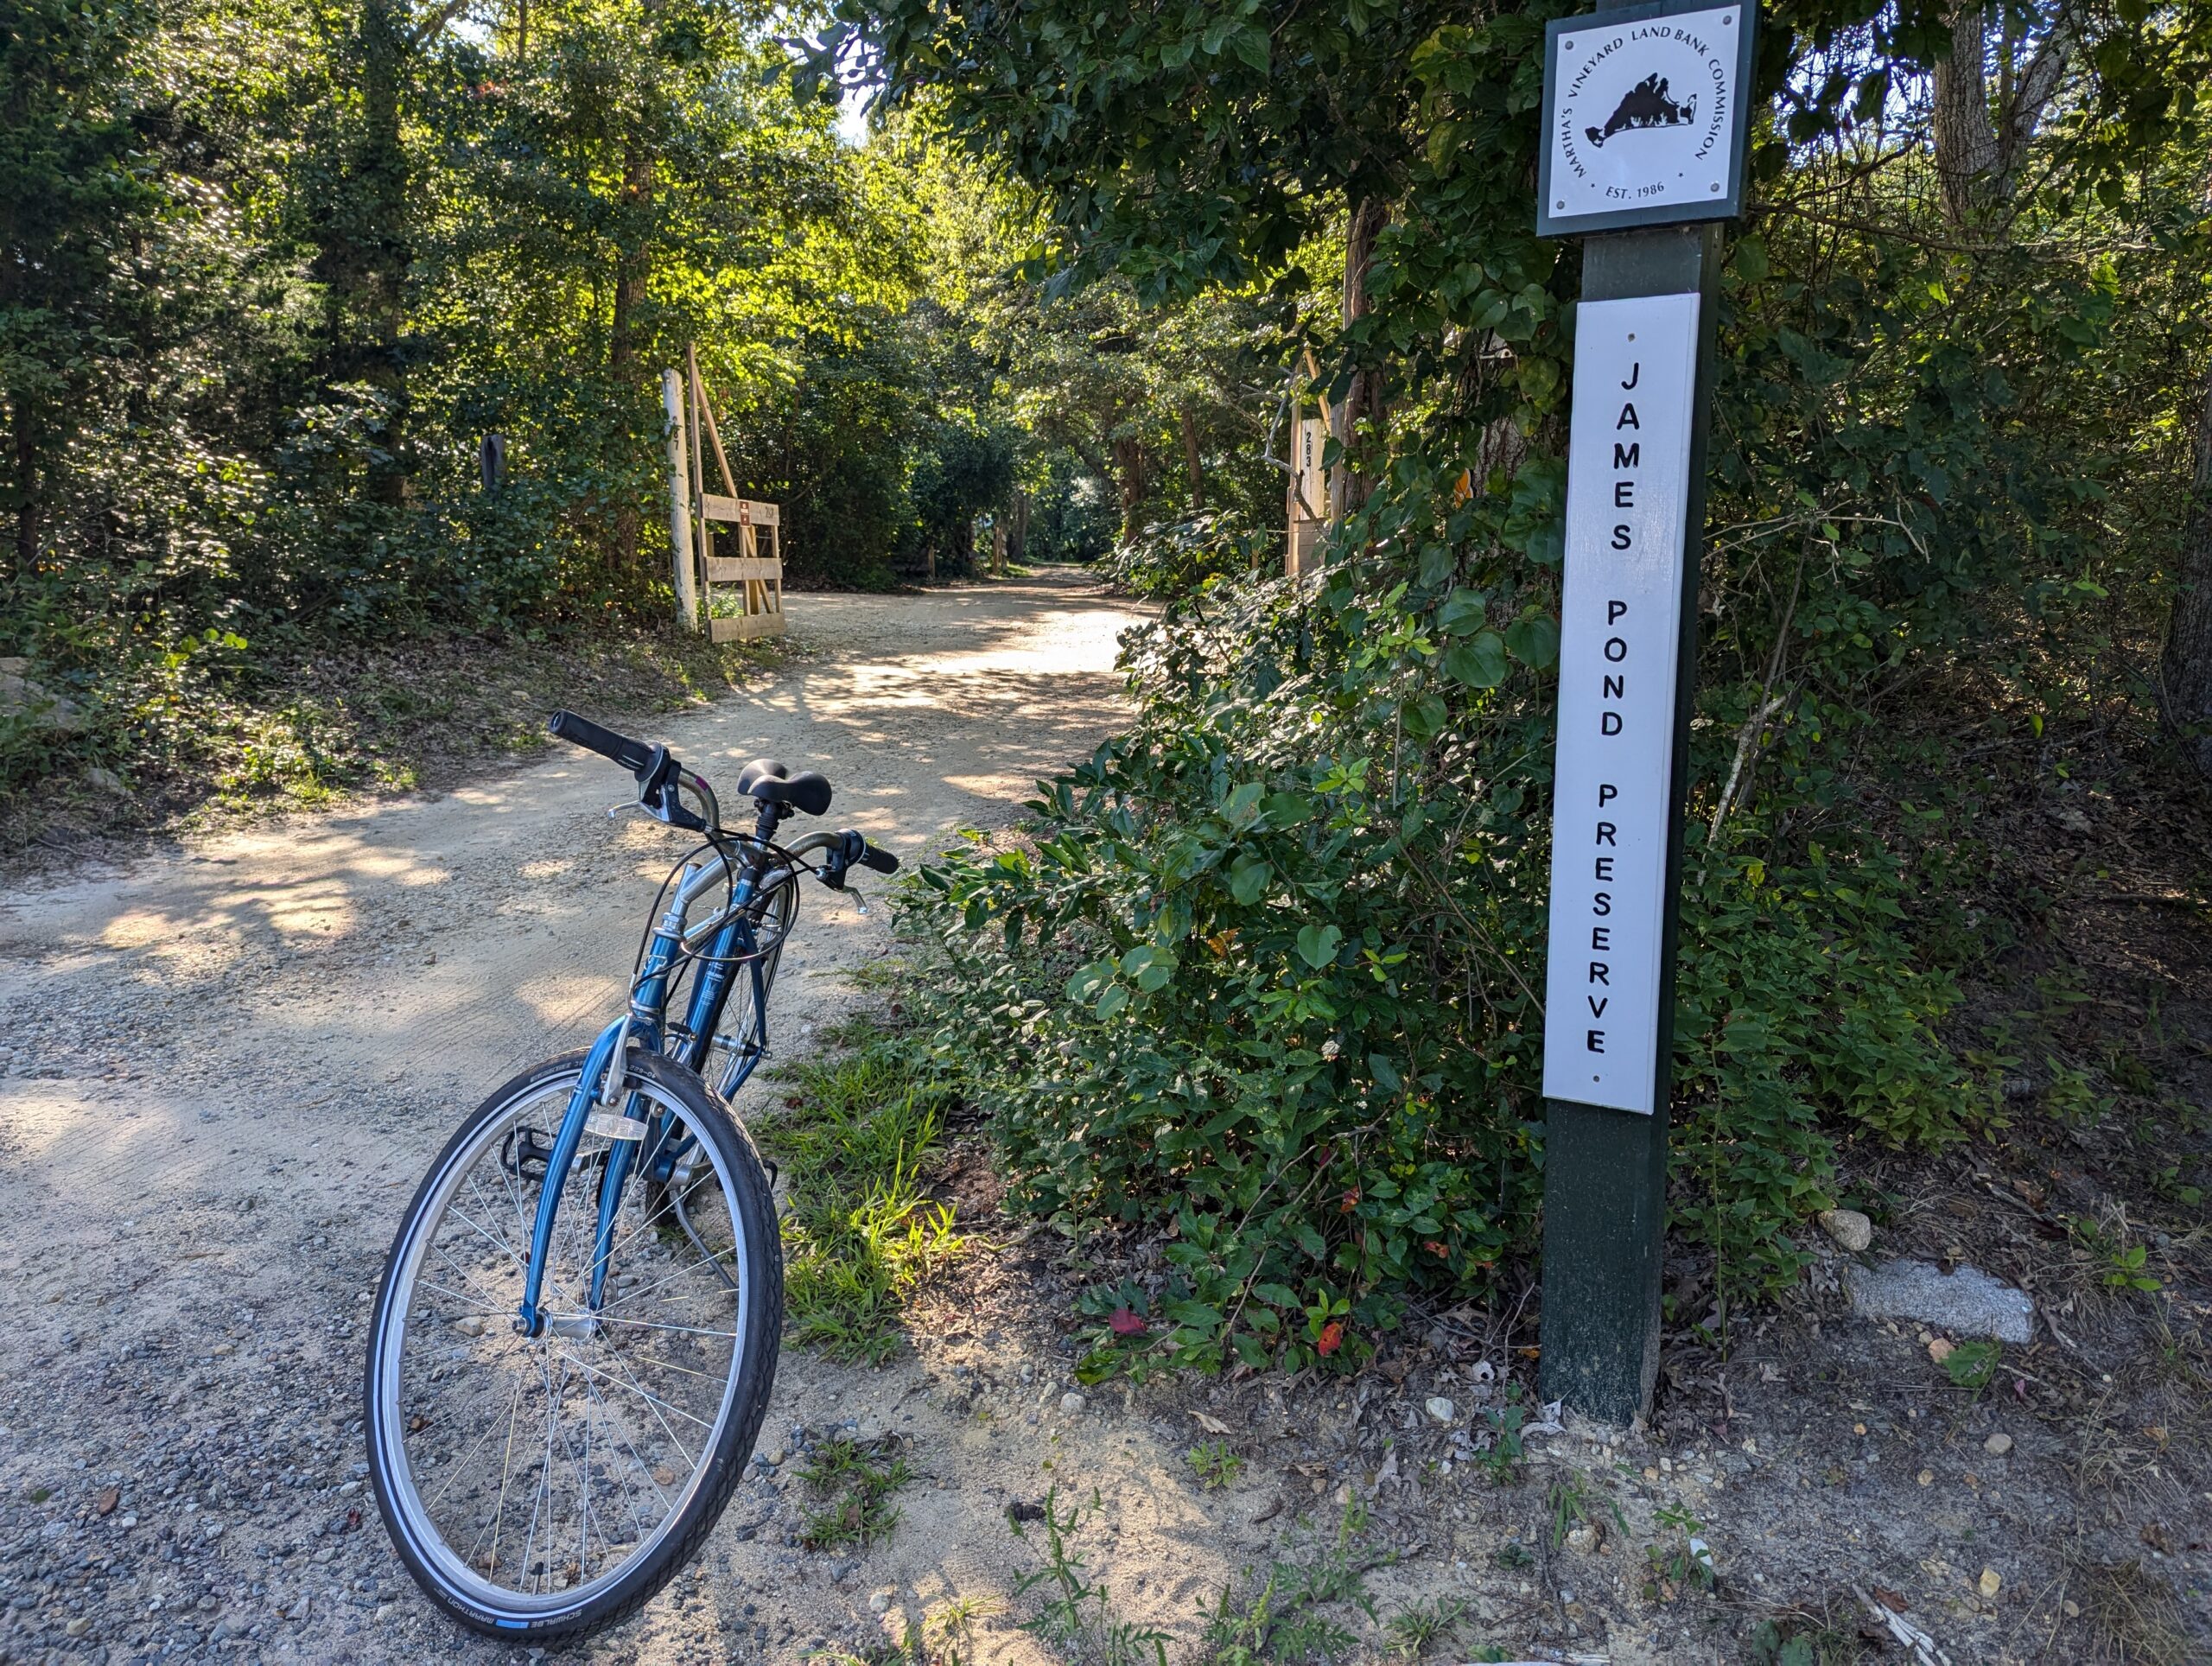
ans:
(733, 582)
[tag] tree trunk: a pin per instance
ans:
(1966, 143)
(1364, 399)
(2186, 666)
(382, 255)
(27, 501)
(1018, 544)
(1128, 470)
(1979, 151)
(632, 267)
(1192, 464)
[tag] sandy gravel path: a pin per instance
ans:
(223, 1069)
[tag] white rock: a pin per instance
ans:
(1998, 1445)
(1966, 1301)
(880, 1602)
(1584, 1538)
(1441, 1409)
(1852, 1231)
(1072, 1402)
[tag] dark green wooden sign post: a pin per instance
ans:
(1645, 128)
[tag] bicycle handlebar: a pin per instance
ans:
(659, 775)
(882, 861)
(633, 755)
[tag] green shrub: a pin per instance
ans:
(1172, 558)
(1265, 976)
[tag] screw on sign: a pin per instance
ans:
(1643, 125)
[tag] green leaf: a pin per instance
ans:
(1534, 642)
(1251, 45)
(1479, 664)
(1083, 988)
(1463, 610)
(1247, 880)
(1318, 944)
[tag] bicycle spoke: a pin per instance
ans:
(628, 1382)
(458, 1295)
(643, 1468)
(703, 1261)
(653, 1325)
(459, 1469)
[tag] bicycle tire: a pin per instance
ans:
(548, 1619)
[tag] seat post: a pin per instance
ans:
(764, 832)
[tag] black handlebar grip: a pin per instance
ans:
(633, 755)
(882, 861)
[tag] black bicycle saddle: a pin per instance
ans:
(766, 780)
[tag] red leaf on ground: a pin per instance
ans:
(1332, 1336)
(1125, 1322)
(1350, 1202)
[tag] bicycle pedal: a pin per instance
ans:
(613, 1125)
(529, 1162)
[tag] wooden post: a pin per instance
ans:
(1605, 1168)
(1628, 645)
(705, 534)
(679, 504)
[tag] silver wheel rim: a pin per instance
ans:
(620, 1422)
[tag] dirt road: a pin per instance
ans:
(223, 1069)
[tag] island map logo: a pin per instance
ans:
(1644, 115)
(1645, 104)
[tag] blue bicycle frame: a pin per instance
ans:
(733, 949)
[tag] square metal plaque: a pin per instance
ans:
(1644, 117)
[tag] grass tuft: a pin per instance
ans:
(860, 1232)
(857, 1478)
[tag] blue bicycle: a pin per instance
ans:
(575, 1337)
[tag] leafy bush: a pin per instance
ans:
(1170, 558)
(1265, 976)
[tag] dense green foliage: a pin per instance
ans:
(1265, 980)
(274, 276)
(1268, 977)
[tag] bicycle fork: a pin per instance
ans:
(635, 1142)
(590, 1111)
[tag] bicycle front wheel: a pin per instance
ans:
(544, 1487)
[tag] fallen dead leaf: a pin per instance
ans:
(1989, 1584)
(1941, 1348)
(1209, 1423)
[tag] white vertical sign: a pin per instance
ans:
(1620, 618)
